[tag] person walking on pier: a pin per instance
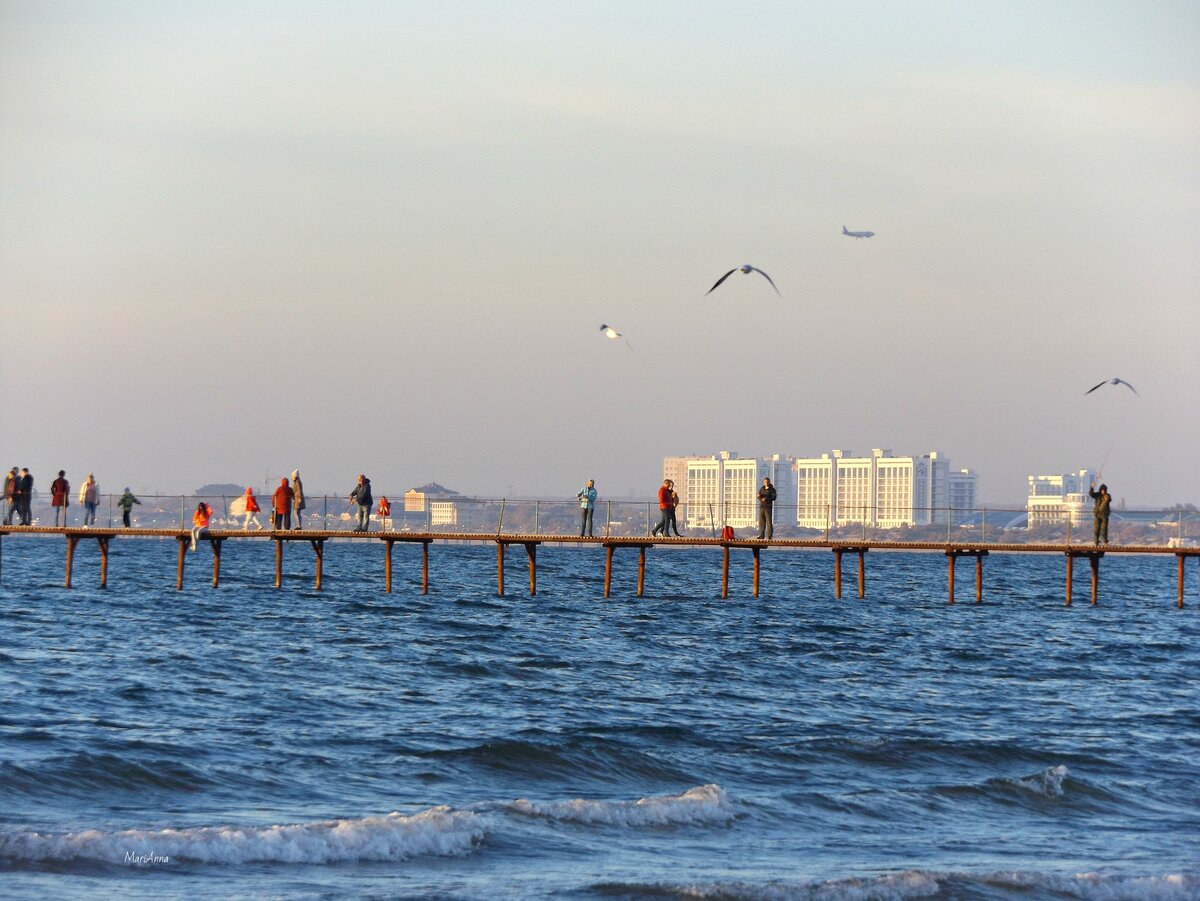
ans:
(281, 506)
(664, 510)
(1103, 503)
(10, 496)
(252, 511)
(200, 520)
(674, 508)
(587, 507)
(361, 495)
(89, 496)
(298, 503)
(60, 497)
(126, 504)
(766, 506)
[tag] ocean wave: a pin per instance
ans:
(82, 774)
(925, 884)
(700, 805)
(439, 831)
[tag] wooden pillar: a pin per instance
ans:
(531, 553)
(979, 576)
(103, 543)
(950, 558)
(837, 573)
(642, 570)
(862, 572)
(500, 568)
(608, 568)
(216, 546)
(1179, 602)
(756, 569)
(725, 572)
(183, 546)
(1095, 561)
(1070, 575)
(387, 565)
(72, 540)
(318, 546)
(424, 567)
(278, 563)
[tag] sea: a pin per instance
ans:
(254, 742)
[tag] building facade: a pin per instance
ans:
(1060, 498)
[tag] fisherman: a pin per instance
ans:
(587, 507)
(766, 505)
(1103, 503)
(361, 495)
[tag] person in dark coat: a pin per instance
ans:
(60, 497)
(10, 496)
(1103, 504)
(25, 487)
(361, 495)
(766, 505)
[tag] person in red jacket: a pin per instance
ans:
(281, 506)
(200, 520)
(252, 511)
(60, 497)
(665, 505)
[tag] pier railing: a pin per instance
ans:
(1170, 527)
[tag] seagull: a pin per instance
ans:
(610, 332)
(747, 269)
(1114, 381)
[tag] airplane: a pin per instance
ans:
(850, 234)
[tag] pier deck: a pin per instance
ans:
(317, 538)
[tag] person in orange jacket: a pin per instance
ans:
(665, 506)
(252, 511)
(385, 507)
(281, 506)
(200, 520)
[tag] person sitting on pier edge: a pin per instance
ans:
(281, 506)
(766, 504)
(10, 495)
(126, 504)
(200, 520)
(298, 503)
(252, 511)
(60, 497)
(89, 496)
(1103, 502)
(361, 495)
(674, 508)
(664, 509)
(587, 507)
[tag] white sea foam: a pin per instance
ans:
(702, 804)
(1048, 783)
(439, 831)
(925, 884)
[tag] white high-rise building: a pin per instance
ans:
(676, 469)
(723, 489)
(1055, 499)
(882, 490)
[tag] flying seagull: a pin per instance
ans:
(610, 332)
(747, 269)
(1114, 381)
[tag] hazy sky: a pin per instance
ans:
(237, 238)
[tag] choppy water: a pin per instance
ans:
(248, 741)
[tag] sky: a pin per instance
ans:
(240, 238)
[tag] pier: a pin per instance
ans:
(316, 540)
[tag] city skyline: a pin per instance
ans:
(235, 240)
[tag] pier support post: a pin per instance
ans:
(1070, 575)
(72, 540)
(1094, 559)
(387, 565)
(608, 548)
(183, 546)
(216, 548)
(725, 572)
(531, 553)
(278, 563)
(952, 555)
(641, 570)
(862, 572)
(103, 543)
(500, 568)
(755, 551)
(424, 567)
(837, 573)
(318, 546)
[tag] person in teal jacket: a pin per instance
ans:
(587, 507)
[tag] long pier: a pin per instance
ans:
(316, 540)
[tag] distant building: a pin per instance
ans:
(462, 514)
(676, 469)
(1057, 499)
(723, 489)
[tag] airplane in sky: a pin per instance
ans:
(850, 234)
